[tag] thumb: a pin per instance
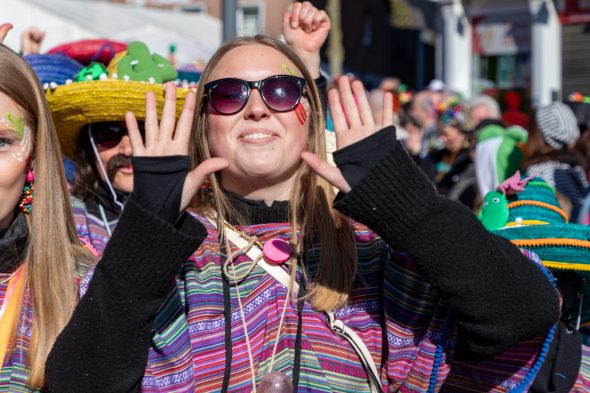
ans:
(195, 178)
(4, 28)
(287, 21)
(331, 174)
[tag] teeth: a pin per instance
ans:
(257, 135)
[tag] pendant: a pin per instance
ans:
(275, 382)
(276, 251)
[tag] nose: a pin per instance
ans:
(255, 108)
(125, 147)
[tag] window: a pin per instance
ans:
(249, 19)
(193, 8)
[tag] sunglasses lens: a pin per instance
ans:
(228, 97)
(109, 135)
(281, 94)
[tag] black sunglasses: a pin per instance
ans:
(107, 135)
(281, 93)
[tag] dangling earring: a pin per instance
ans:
(206, 186)
(27, 197)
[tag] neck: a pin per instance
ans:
(260, 188)
(6, 221)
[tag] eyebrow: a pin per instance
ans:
(7, 130)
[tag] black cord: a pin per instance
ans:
(227, 318)
(298, 345)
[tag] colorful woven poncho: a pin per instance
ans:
(393, 309)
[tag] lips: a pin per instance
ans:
(127, 169)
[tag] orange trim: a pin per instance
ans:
(551, 242)
(12, 297)
(539, 204)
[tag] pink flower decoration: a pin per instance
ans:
(513, 184)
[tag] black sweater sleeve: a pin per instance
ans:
(129, 284)
(498, 296)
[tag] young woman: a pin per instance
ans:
(40, 254)
(272, 283)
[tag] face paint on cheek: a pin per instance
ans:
(23, 132)
(24, 145)
(301, 113)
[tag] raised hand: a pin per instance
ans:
(31, 40)
(353, 122)
(168, 138)
(4, 29)
(305, 29)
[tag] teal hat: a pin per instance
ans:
(535, 221)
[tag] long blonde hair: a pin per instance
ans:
(53, 250)
(311, 197)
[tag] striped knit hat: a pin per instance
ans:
(537, 223)
(558, 125)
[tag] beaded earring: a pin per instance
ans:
(27, 196)
(206, 186)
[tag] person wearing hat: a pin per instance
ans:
(552, 134)
(451, 167)
(89, 116)
(526, 211)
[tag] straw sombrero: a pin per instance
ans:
(532, 219)
(97, 96)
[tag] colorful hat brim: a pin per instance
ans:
(77, 104)
(564, 247)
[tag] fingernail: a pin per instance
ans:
(294, 25)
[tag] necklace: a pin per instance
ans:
(272, 382)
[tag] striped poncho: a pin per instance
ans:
(399, 316)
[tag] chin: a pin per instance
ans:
(123, 185)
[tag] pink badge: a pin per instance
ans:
(276, 251)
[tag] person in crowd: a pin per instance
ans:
(485, 109)
(451, 167)
(41, 258)
(89, 116)
(552, 134)
(271, 282)
(422, 109)
(513, 115)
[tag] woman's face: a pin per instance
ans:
(262, 146)
(16, 142)
(452, 138)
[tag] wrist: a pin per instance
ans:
(312, 62)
